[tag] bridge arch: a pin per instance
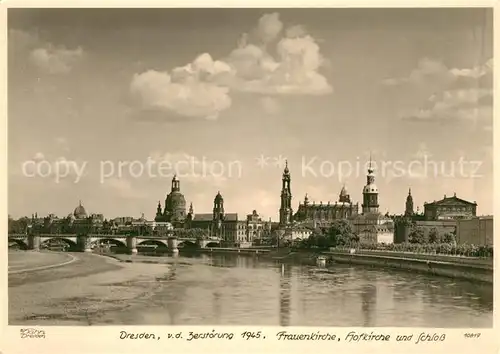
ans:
(110, 241)
(159, 243)
(17, 243)
(186, 244)
(56, 241)
(212, 244)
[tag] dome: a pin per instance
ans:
(370, 188)
(343, 191)
(80, 212)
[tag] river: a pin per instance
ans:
(243, 290)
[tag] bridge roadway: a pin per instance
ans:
(84, 243)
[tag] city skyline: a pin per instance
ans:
(324, 85)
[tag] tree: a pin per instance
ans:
(417, 235)
(433, 235)
(449, 238)
(340, 233)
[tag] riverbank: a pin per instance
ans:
(454, 267)
(82, 292)
(27, 261)
(84, 264)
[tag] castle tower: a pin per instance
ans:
(409, 204)
(370, 193)
(286, 198)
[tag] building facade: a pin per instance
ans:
(174, 211)
(476, 231)
(227, 226)
(323, 214)
(450, 208)
(257, 229)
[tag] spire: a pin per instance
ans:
(286, 171)
(409, 192)
(191, 208)
(370, 169)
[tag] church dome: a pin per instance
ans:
(343, 191)
(370, 188)
(80, 212)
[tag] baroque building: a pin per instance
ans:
(450, 208)
(440, 216)
(257, 229)
(227, 226)
(174, 211)
(324, 213)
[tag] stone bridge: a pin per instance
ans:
(85, 243)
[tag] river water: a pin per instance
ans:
(244, 290)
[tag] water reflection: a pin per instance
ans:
(285, 295)
(244, 290)
(368, 302)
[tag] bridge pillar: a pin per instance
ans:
(34, 242)
(84, 243)
(202, 243)
(132, 244)
(172, 245)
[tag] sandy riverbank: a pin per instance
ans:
(25, 260)
(79, 293)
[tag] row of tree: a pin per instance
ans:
(418, 235)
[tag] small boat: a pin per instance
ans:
(321, 261)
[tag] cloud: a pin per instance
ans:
(295, 71)
(55, 60)
(269, 27)
(44, 55)
(459, 94)
(183, 93)
(427, 70)
(201, 88)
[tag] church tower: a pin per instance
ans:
(409, 204)
(286, 198)
(159, 214)
(370, 193)
(218, 212)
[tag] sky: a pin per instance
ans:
(105, 105)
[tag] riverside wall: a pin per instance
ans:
(474, 269)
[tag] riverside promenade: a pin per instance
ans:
(468, 268)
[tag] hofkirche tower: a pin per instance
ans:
(370, 193)
(286, 198)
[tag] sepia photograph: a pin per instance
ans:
(286, 167)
